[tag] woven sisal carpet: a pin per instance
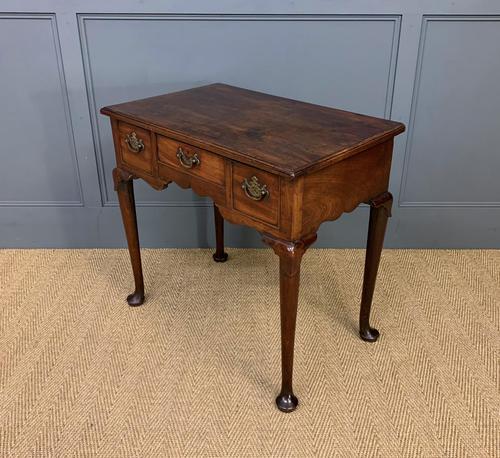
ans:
(194, 372)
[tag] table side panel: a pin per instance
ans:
(344, 185)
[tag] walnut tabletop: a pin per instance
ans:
(279, 135)
(278, 165)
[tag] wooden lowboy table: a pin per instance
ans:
(280, 166)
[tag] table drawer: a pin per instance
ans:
(191, 160)
(256, 193)
(135, 147)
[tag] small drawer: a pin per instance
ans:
(256, 193)
(135, 147)
(191, 160)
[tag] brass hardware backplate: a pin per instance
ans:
(253, 189)
(186, 161)
(136, 145)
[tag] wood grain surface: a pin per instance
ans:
(281, 135)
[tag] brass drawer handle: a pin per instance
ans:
(186, 161)
(136, 145)
(254, 190)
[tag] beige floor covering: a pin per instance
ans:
(194, 372)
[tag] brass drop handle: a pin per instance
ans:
(254, 190)
(136, 145)
(186, 161)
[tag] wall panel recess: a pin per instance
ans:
(452, 154)
(39, 166)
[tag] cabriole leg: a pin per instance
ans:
(380, 211)
(290, 255)
(125, 188)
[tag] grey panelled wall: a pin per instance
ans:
(32, 85)
(258, 59)
(434, 67)
(455, 122)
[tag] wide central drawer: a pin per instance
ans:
(191, 160)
